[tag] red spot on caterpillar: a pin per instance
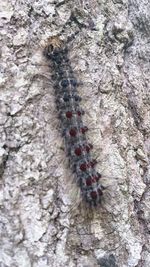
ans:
(83, 167)
(89, 181)
(69, 114)
(93, 195)
(80, 112)
(78, 151)
(73, 132)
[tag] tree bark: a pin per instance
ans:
(43, 218)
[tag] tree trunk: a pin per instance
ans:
(44, 219)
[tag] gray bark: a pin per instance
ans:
(43, 220)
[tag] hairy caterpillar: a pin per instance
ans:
(70, 114)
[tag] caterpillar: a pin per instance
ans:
(72, 127)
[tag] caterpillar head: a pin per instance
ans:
(53, 47)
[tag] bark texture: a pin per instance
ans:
(43, 220)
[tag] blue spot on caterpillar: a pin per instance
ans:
(73, 130)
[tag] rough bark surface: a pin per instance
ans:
(43, 220)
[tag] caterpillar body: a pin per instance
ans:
(73, 130)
